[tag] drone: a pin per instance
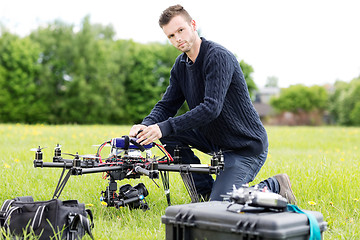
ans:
(127, 159)
(255, 197)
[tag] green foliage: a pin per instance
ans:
(300, 97)
(272, 82)
(79, 73)
(247, 71)
(19, 71)
(345, 102)
(148, 78)
(355, 114)
(56, 60)
(59, 74)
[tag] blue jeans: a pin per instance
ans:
(238, 169)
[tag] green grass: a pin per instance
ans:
(322, 162)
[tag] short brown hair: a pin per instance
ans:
(171, 12)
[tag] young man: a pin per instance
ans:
(221, 116)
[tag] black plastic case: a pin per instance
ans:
(216, 220)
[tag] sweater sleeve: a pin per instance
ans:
(218, 69)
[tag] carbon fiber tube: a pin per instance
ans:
(187, 168)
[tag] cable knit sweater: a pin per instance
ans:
(216, 93)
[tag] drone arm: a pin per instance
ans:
(38, 163)
(187, 168)
(100, 169)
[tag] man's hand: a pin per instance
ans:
(149, 134)
(135, 130)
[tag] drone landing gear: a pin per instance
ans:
(61, 183)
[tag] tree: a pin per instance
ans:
(272, 82)
(148, 77)
(20, 101)
(79, 73)
(355, 114)
(247, 71)
(92, 91)
(299, 97)
(345, 101)
(59, 75)
(56, 60)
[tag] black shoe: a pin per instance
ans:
(285, 187)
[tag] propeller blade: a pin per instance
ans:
(58, 146)
(82, 156)
(89, 156)
(37, 149)
(70, 154)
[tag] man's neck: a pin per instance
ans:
(194, 52)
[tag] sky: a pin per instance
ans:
(310, 42)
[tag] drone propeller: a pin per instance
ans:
(58, 146)
(38, 153)
(81, 156)
(37, 149)
(89, 156)
(71, 154)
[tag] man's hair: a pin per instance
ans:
(172, 12)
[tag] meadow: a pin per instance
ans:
(323, 164)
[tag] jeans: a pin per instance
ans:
(238, 169)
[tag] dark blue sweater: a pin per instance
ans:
(216, 93)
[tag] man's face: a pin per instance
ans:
(180, 33)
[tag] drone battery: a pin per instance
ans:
(127, 143)
(216, 220)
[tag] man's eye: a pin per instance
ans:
(180, 30)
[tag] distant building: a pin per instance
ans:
(265, 94)
(262, 101)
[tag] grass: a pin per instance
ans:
(322, 162)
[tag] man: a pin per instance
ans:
(221, 116)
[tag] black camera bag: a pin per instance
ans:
(46, 219)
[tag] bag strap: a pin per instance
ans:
(84, 221)
(5, 206)
(7, 203)
(8, 215)
(4, 211)
(315, 233)
(89, 212)
(36, 221)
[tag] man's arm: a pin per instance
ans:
(167, 107)
(218, 79)
(219, 68)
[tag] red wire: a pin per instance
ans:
(166, 152)
(99, 150)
